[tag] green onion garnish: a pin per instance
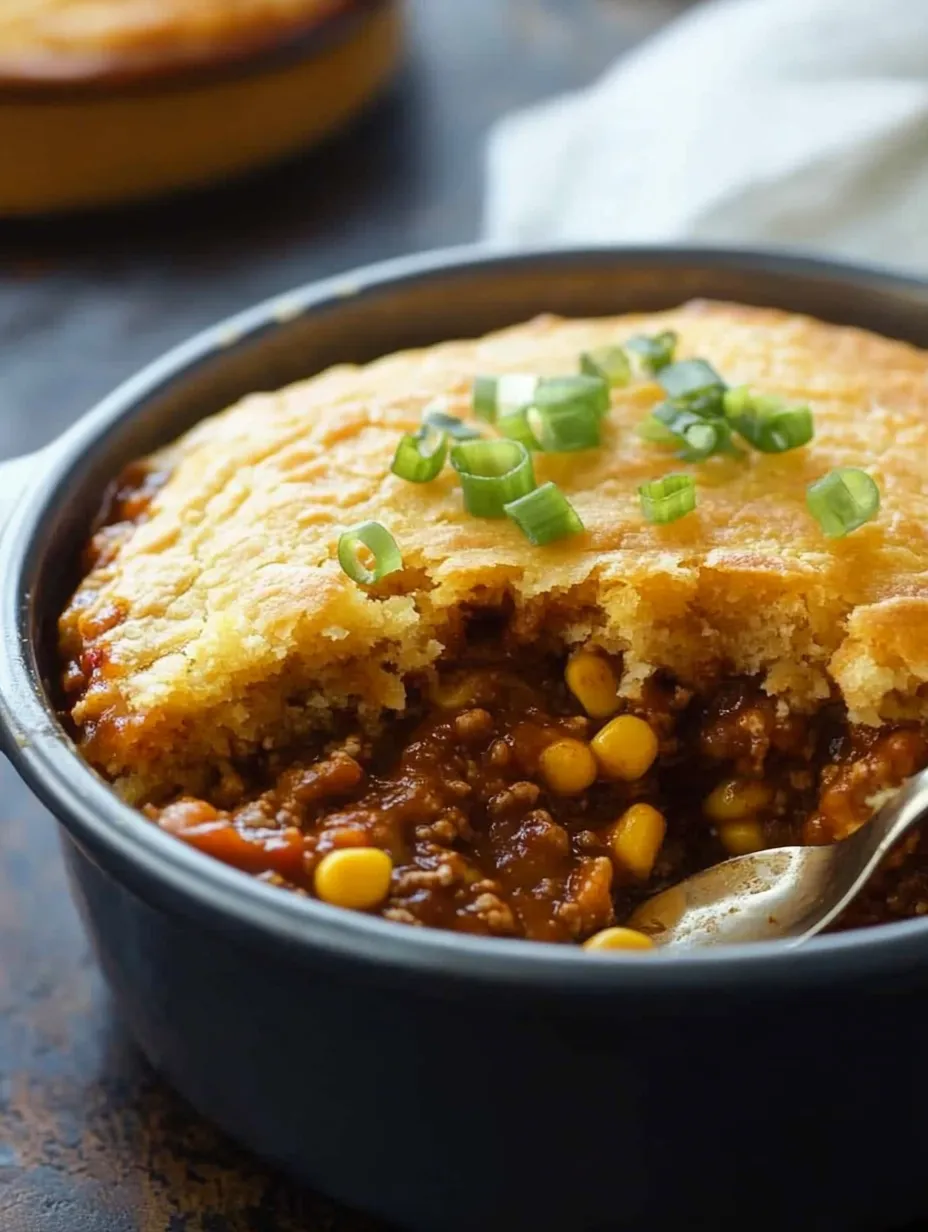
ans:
(583, 391)
(492, 473)
(497, 397)
(515, 427)
(690, 378)
(698, 438)
(770, 424)
(545, 515)
(375, 541)
(665, 500)
(420, 458)
(843, 500)
(610, 364)
(653, 353)
(455, 427)
(563, 429)
(565, 415)
(653, 430)
(501, 395)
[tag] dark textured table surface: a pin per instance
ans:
(90, 1140)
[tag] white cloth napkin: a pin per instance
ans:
(800, 123)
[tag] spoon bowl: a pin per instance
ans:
(783, 892)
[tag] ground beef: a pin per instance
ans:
(481, 844)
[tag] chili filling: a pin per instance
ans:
(511, 803)
(485, 837)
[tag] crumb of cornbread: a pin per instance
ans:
(37, 35)
(237, 628)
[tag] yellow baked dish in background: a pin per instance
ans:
(123, 99)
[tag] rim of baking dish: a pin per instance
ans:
(158, 867)
(54, 79)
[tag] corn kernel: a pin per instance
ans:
(568, 767)
(618, 939)
(457, 692)
(592, 682)
(625, 748)
(357, 877)
(741, 838)
(736, 799)
(636, 839)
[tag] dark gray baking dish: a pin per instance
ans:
(444, 1081)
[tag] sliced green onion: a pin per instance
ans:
(566, 413)
(420, 458)
(737, 401)
(455, 427)
(653, 430)
(492, 473)
(379, 544)
(584, 391)
(696, 437)
(690, 378)
(665, 500)
(501, 395)
(770, 424)
(843, 500)
(484, 397)
(545, 515)
(610, 364)
(653, 353)
(563, 429)
(515, 427)
(709, 404)
(496, 397)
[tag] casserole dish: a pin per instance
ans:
(97, 122)
(446, 1081)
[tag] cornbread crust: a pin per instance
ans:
(224, 624)
(73, 38)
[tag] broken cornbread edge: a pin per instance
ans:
(698, 639)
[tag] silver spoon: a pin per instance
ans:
(783, 892)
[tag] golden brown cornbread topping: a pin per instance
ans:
(223, 621)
